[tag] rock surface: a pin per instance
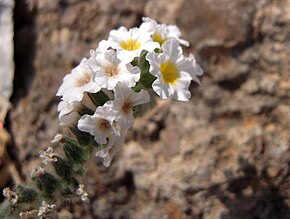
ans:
(225, 154)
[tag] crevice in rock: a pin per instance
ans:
(24, 53)
(233, 84)
(24, 49)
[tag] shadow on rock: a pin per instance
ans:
(253, 194)
(24, 48)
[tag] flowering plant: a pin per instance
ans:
(99, 100)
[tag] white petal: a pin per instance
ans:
(189, 65)
(129, 75)
(125, 73)
(183, 42)
(117, 37)
(88, 124)
(68, 113)
(103, 46)
(172, 49)
(151, 46)
(103, 152)
(140, 98)
(101, 79)
(197, 69)
(147, 27)
(107, 161)
(70, 119)
(106, 112)
(127, 56)
(155, 62)
(174, 32)
(125, 94)
(163, 90)
(111, 57)
(80, 80)
(181, 91)
(127, 121)
(113, 150)
(100, 138)
(121, 92)
(64, 108)
(57, 138)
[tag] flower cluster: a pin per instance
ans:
(100, 94)
(99, 99)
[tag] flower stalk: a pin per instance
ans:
(99, 100)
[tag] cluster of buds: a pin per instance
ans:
(11, 196)
(99, 95)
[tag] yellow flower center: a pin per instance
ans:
(169, 72)
(130, 45)
(85, 79)
(158, 38)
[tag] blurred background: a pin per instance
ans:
(224, 154)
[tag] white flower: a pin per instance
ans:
(125, 99)
(108, 152)
(100, 125)
(162, 32)
(45, 209)
(37, 171)
(69, 113)
(102, 47)
(81, 192)
(28, 214)
(57, 138)
(48, 156)
(130, 43)
(174, 72)
(112, 70)
(11, 196)
(80, 80)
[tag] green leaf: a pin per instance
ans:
(26, 194)
(63, 168)
(146, 79)
(99, 98)
(46, 182)
(74, 152)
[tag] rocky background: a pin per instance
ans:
(225, 154)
